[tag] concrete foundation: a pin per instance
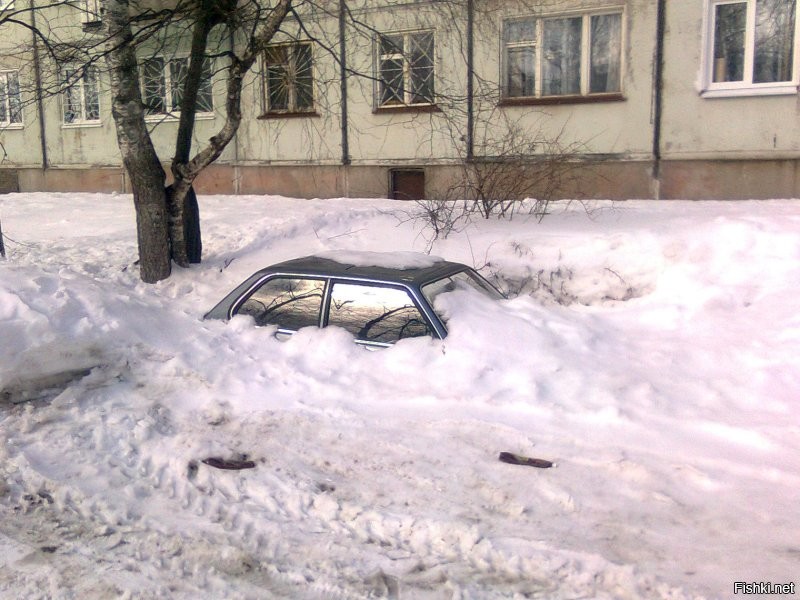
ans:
(614, 180)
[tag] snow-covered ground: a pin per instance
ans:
(653, 354)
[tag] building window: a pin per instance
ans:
(81, 97)
(288, 79)
(162, 86)
(406, 69)
(576, 55)
(407, 184)
(92, 12)
(10, 100)
(751, 47)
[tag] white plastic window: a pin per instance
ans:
(751, 47)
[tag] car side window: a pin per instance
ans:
(375, 313)
(288, 302)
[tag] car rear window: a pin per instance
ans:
(288, 302)
(376, 313)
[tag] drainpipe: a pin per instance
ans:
(658, 92)
(470, 78)
(237, 175)
(343, 93)
(37, 75)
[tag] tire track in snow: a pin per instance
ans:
(284, 525)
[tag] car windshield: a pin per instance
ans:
(458, 281)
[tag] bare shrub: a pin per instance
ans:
(519, 172)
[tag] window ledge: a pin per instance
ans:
(94, 25)
(407, 108)
(783, 89)
(288, 115)
(175, 117)
(572, 99)
(5, 126)
(81, 124)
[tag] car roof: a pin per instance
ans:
(327, 267)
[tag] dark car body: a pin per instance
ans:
(379, 305)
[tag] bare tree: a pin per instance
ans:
(138, 154)
(130, 31)
(168, 216)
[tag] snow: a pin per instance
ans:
(650, 350)
(390, 260)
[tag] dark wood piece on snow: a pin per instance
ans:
(228, 464)
(518, 459)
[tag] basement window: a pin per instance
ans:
(407, 184)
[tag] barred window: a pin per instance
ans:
(163, 81)
(10, 100)
(288, 79)
(81, 95)
(406, 68)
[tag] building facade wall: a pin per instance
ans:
(667, 138)
(698, 124)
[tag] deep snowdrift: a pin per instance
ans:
(651, 352)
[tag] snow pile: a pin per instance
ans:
(650, 351)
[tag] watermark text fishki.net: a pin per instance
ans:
(763, 587)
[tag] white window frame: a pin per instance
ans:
(169, 114)
(79, 84)
(724, 89)
(585, 58)
(293, 108)
(408, 95)
(7, 123)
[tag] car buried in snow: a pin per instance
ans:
(379, 298)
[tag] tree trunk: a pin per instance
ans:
(184, 214)
(184, 223)
(141, 162)
(168, 218)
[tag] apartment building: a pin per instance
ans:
(642, 98)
